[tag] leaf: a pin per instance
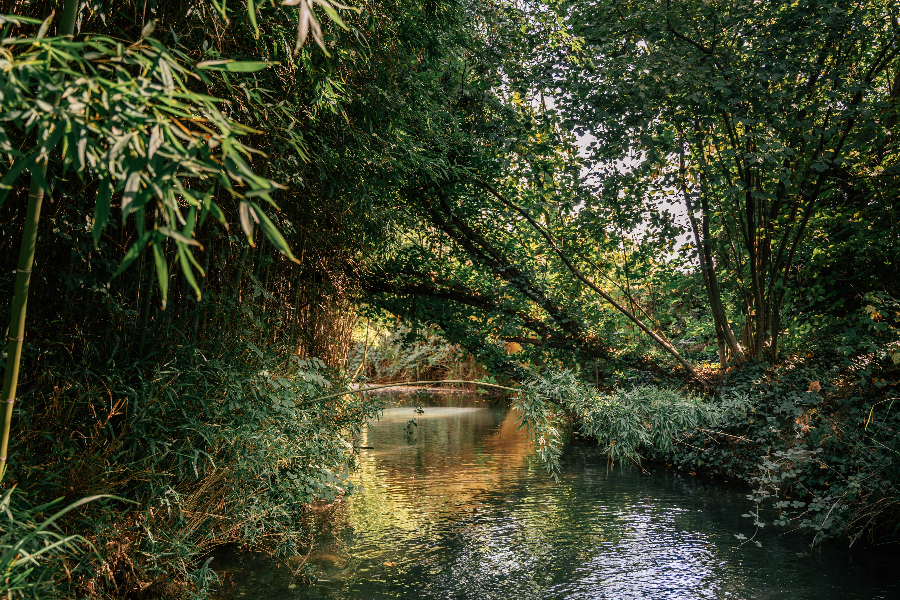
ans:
(210, 206)
(148, 28)
(222, 11)
(45, 25)
(178, 236)
(82, 149)
(6, 184)
(132, 186)
(133, 252)
(162, 271)
(234, 66)
(332, 14)
(186, 267)
(58, 131)
(272, 233)
(101, 209)
(251, 12)
(246, 223)
(156, 141)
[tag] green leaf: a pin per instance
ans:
(179, 237)
(332, 14)
(183, 257)
(133, 252)
(162, 270)
(101, 209)
(45, 25)
(246, 223)
(6, 184)
(58, 131)
(272, 233)
(234, 66)
(251, 12)
(132, 187)
(211, 207)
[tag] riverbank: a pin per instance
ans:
(457, 506)
(819, 448)
(196, 454)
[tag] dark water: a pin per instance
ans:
(456, 507)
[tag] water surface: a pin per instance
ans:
(456, 507)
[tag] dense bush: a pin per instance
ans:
(819, 446)
(214, 450)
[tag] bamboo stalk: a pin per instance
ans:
(145, 309)
(16, 332)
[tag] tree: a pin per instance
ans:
(758, 115)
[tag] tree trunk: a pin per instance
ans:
(724, 334)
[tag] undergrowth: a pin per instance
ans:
(819, 450)
(817, 445)
(213, 451)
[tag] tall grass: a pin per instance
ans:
(229, 450)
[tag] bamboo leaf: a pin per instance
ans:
(101, 209)
(235, 66)
(213, 208)
(246, 223)
(178, 236)
(149, 28)
(162, 271)
(191, 220)
(156, 141)
(194, 262)
(133, 252)
(272, 232)
(303, 26)
(13, 174)
(24, 542)
(251, 12)
(58, 131)
(46, 25)
(132, 186)
(186, 267)
(222, 11)
(332, 14)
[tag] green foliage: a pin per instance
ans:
(126, 117)
(818, 447)
(26, 546)
(626, 423)
(399, 354)
(216, 451)
(768, 121)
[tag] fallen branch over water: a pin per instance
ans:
(404, 383)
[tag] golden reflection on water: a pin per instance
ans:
(439, 466)
(456, 506)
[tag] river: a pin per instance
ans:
(456, 506)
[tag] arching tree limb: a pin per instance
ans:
(665, 345)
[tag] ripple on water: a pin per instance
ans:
(456, 507)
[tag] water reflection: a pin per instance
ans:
(455, 507)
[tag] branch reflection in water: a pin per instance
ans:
(456, 506)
